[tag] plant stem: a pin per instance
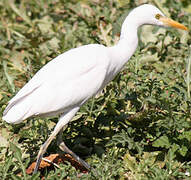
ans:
(188, 76)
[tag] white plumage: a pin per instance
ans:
(61, 84)
(69, 80)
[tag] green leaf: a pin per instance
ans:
(3, 142)
(20, 12)
(6, 167)
(163, 141)
(17, 152)
(8, 76)
(183, 150)
(45, 25)
(16, 177)
(130, 162)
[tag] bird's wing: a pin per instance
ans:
(57, 96)
(69, 79)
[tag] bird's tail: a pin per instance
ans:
(19, 107)
(17, 111)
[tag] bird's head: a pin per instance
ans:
(149, 14)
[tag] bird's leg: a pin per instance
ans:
(63, 120)
(43, 149)
(64, 148)
(59, 139)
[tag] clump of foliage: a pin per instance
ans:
(139, 128)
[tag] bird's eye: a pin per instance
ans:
(157, 16)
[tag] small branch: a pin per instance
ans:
(46, 160)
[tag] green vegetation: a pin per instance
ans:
(139, 128)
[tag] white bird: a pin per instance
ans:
(63, 85)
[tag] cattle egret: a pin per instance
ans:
(63, 85)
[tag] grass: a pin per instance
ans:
(139, 128)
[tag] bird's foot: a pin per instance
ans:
(64, 148)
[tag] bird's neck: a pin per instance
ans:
(126, 46)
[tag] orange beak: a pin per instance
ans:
(172, 23)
